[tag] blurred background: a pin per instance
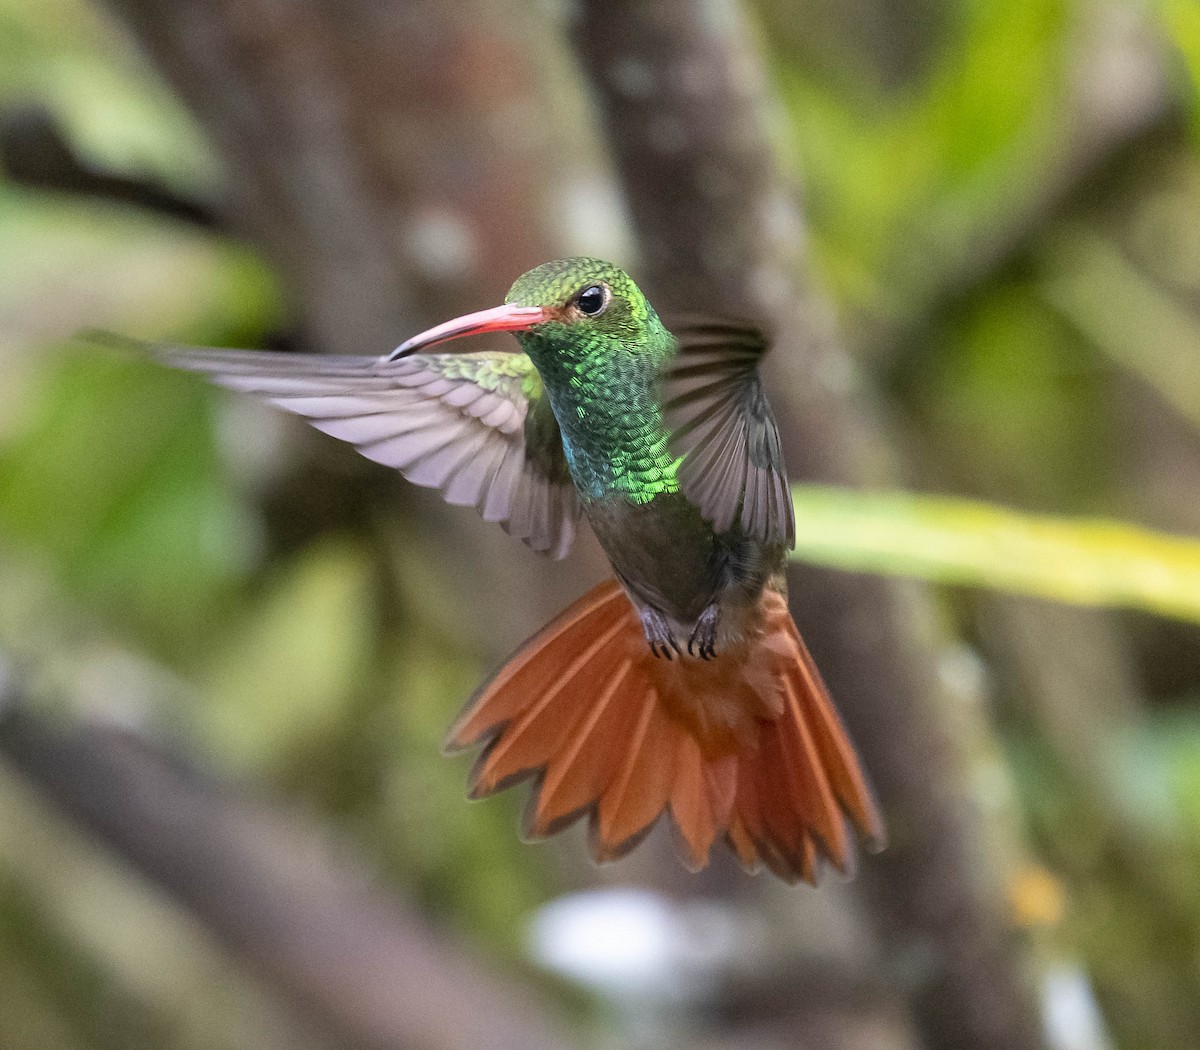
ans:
(229, 648)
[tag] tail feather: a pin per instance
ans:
(701, 800)
(745, 747)
(508, 693)
(744, 829)
(540, 730)
(786, 811)
(839, 760)
(642, 786)
(579, 774)
(805, 765)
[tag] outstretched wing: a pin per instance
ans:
(474, 426)
(721, 424)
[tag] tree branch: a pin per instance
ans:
(686, 104)
(34, 152)
(274, 892)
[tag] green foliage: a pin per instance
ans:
(116, 481)
(1158, 766)
(1006, 372)
(1181, 19)
(1132, 908)
(893, 185)
(109, 471)
(66, 55)
(285, 678)
(1129, 316)
(473, 866)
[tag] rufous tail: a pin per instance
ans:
(746, 746)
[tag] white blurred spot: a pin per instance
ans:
(772, 287)
(121, 689)
(780, 219)
(963, 672)
(636, 947)
(592, 218)
(837, 372)
(441, 243)
(1070, 1014)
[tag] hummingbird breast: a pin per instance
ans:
(669, 558)
(612, 429)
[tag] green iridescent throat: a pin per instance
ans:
(605, 398)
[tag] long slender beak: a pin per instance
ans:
(498, 319)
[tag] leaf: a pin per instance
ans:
(290, 673)
(901, 188)
(1182, 22)
(1128, 317)
(945, 540)
(116, 481)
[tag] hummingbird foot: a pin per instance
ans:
(658, 633)
(704, 635)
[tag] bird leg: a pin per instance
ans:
(658, 632)
(704, 635)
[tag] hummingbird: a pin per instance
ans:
(680, 686)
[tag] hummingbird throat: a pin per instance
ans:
(606, 400)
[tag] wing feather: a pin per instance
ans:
(474, 426)
(470, 483)
(722, 427)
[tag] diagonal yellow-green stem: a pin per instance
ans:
(1086, 561)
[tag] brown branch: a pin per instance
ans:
(341, 949)
(685, 102)
(35, 152)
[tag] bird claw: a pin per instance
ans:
(704, 635)
(658, 634)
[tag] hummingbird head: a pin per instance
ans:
(559, 307)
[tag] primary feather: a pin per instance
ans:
(474, 426)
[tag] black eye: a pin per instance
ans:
(592, 300)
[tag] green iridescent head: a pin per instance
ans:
(587, 302)
(563, 310)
